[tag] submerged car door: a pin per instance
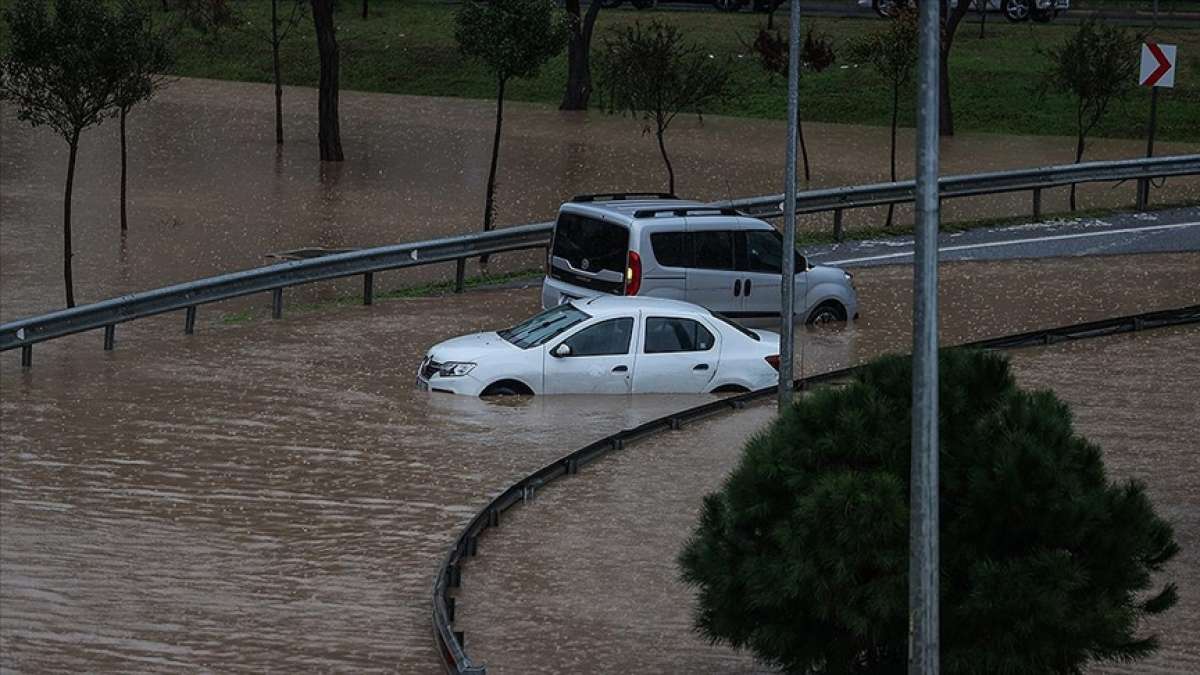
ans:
(675, 355)
(598, 359)
(759, 264)
(712, 281)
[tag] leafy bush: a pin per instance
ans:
(802, 556)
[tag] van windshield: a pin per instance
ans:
(538, 330)
(590, 244)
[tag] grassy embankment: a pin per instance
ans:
(409, 48)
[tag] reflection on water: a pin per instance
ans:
(276, 495)
(210, 191)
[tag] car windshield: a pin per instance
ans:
(537, 330)
(741, 329)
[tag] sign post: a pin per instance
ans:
(1158, 70)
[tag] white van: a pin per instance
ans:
(658, 245)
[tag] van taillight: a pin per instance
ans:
(633, 274)
(774, 361)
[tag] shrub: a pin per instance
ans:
(802, 556)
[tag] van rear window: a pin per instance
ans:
(589, 244)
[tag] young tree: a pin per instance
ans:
(802, 555)
(62, 70)
(1096, 64)
(893, 54)
(145, 55)
(514, 39)
(329, 136)
(654, 74)
(816, 54)
(579, 49)
(274, 34)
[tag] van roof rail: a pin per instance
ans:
(617, 196)
(687, 211)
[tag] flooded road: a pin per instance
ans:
(274, 495)
(585, 579)
(209, 192)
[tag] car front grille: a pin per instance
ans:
(429, 368)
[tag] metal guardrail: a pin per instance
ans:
(451, 642)
(274, 278)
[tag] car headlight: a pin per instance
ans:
(455, 368)
(848, 275)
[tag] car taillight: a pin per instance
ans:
(633, 274)
(774, 361)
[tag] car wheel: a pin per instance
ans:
(1015, 11)
(826, 313)
(887, 9)
(727, 5)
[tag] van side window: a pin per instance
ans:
(713, 250)
(671, 249)
(603, 339)
(764, 252)
(665, 335)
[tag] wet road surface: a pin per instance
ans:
(210, 193)
(585, 579)
(1164, 231)
(275, 495)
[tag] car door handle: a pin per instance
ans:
(702, 366)
(747, 288)
(621, 369)
(737, 288)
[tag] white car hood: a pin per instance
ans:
(470, 348)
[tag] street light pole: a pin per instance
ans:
(787, 338)
(923, 524)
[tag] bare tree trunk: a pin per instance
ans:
(329, 137)
(670, 170)
(164, 6)
(982, 18)
(895, 113)
(68, 281)
(364, 12)
(579, 48)
(803, 145)
(124, 166)
(489, 199)
(946, 112)
(276, 69)
(1078, 159)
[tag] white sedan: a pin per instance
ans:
(607, 345)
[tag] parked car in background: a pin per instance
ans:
(657, 245)
(607, 345)
(1013, 10)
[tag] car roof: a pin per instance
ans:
(604, 305)
(625, 211)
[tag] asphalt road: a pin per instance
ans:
(1173, 230)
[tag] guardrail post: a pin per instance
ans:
(277, 303)
(838, 232)
(493, 518)
(461, 638)
(368, 288)
(454, 577)
(450, 610)
(1143, 193)
(1037, 204)
(109, 336)
(26, 356)
(189, 321)
(472, 546)
(460, 273)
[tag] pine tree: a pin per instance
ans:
(802, 555)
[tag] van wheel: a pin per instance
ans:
(827, 313)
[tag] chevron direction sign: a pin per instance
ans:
(1158, 65)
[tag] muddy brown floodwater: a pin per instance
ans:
(275, 496)
(585, 579)
(210, 192)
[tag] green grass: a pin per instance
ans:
(409, 49)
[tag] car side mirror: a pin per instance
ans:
(561, 351)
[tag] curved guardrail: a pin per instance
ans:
(274, 278)
(450, 642)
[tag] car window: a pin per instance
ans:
(669, 334)
(605, 338)
(590, 244)
(539, 329)
(713, 250)
(764, 251)
(737, 326)
(671, 249)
